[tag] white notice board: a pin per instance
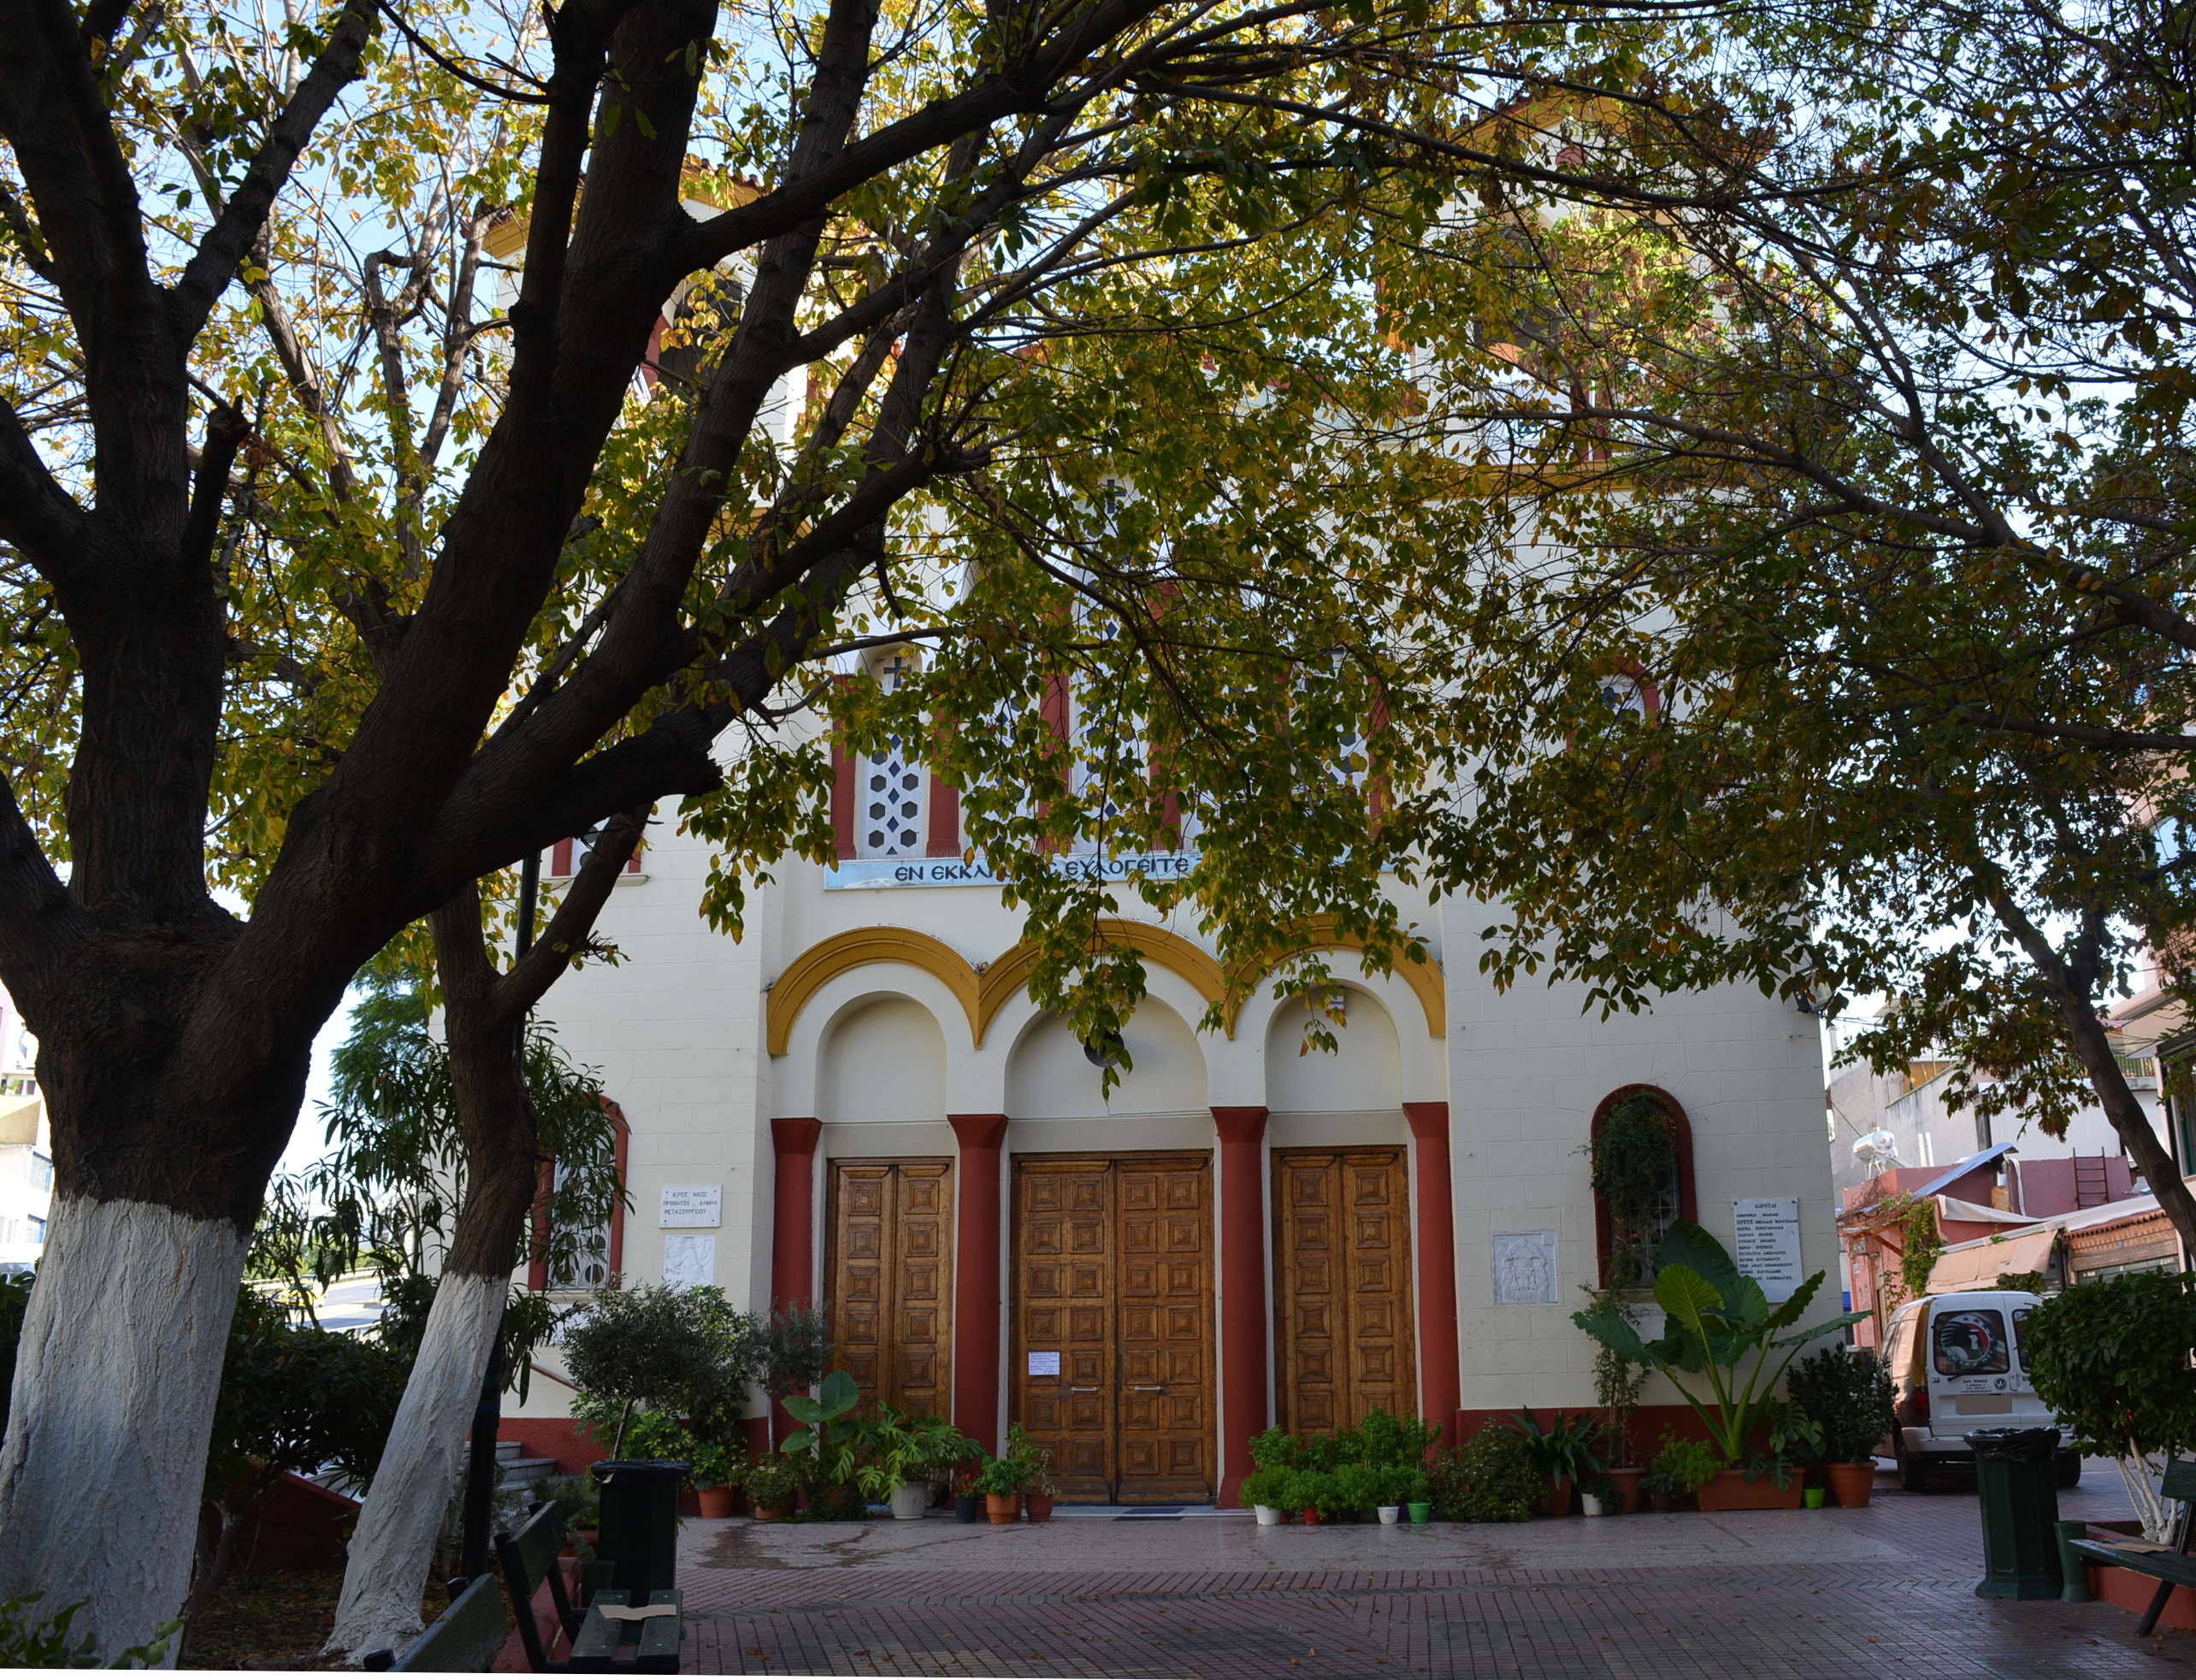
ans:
(1768, 1246)
(691, 1204)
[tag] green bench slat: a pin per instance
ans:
(465, 1637)
(656, 1643)
(2158, 1565)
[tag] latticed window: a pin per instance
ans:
(580, 1255)
(889, 786)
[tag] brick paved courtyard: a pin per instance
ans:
(1884, 1591)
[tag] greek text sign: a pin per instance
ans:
(691, 1204)
(1767, 1246)
(871, 872)
(1044, 1364)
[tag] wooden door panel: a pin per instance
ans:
(1113, 1274)
(1342, 1287)
(889, 1267)
(1062, 1225)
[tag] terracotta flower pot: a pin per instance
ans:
(775, 1513)
(717, 1501)
(1001, 1507)
(1627, 1489)
(1558, 1503)
(1732, 1491)
(1311, 1516)
(1037, 1506)
(1660, 1501)
(1850, 1484)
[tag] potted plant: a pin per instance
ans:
(900, 1451)
(1597, 1495)
(1722, 1327)
(715, 1474)
(1618, 1383)
(1034, 1463)
(1316, 1494)
(1360, 1488)
(968, 1494)
(1002, 1482)
(1265, 1491)
(1681, 1468)
(1849, 1395)
(1563, 1454)
(773, 1484)
(1416, 1490)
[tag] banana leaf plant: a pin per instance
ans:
(1720, 1326)
(827, 1431)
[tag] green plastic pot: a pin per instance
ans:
(1815, 1496)
(1421, 1511)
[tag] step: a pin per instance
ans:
(517, 1472)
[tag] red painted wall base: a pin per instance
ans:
(2131, 1591)
(1649, 1424)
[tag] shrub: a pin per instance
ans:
(1489, 1479)
(1275, 1449)
(2111, 1359)
(1850, 1396)
(1314, 1490)
(651, 1345)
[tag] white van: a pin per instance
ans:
(1956, 1364)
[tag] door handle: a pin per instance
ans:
(1146, 1387)
(1092, 1389)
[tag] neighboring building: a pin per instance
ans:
(860, 1104)
(2041, 1176)
(26, 1147)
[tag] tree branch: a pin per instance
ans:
(237, 228)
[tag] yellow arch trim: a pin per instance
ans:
(1423, 978)
(1005, 979)
(858, 947)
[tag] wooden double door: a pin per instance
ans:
(1342, 1287)
(889, 1262)
(1112, 1350)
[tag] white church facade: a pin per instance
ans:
(858, 1104)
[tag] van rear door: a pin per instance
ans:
(1975, 1382)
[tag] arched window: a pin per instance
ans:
(1674, 1200)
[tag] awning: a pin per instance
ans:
(1977, 1266)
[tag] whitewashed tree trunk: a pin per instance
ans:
(394, 1545)
(116, 1382)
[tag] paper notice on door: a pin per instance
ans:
(1044, 1364)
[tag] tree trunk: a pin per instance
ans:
(484, 1010)
(394, 1543)
(2094, 1052)
(116, 1382)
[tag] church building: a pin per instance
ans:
(857, 1105)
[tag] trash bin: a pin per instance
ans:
(639, 1533)
(2017, 1475)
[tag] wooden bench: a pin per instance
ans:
(596, 1635)
(464, 1639)
(2168, 1569)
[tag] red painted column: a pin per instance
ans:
(792, 1223)
(1242, 1291)
(977, 1295)
(1441, 1382)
